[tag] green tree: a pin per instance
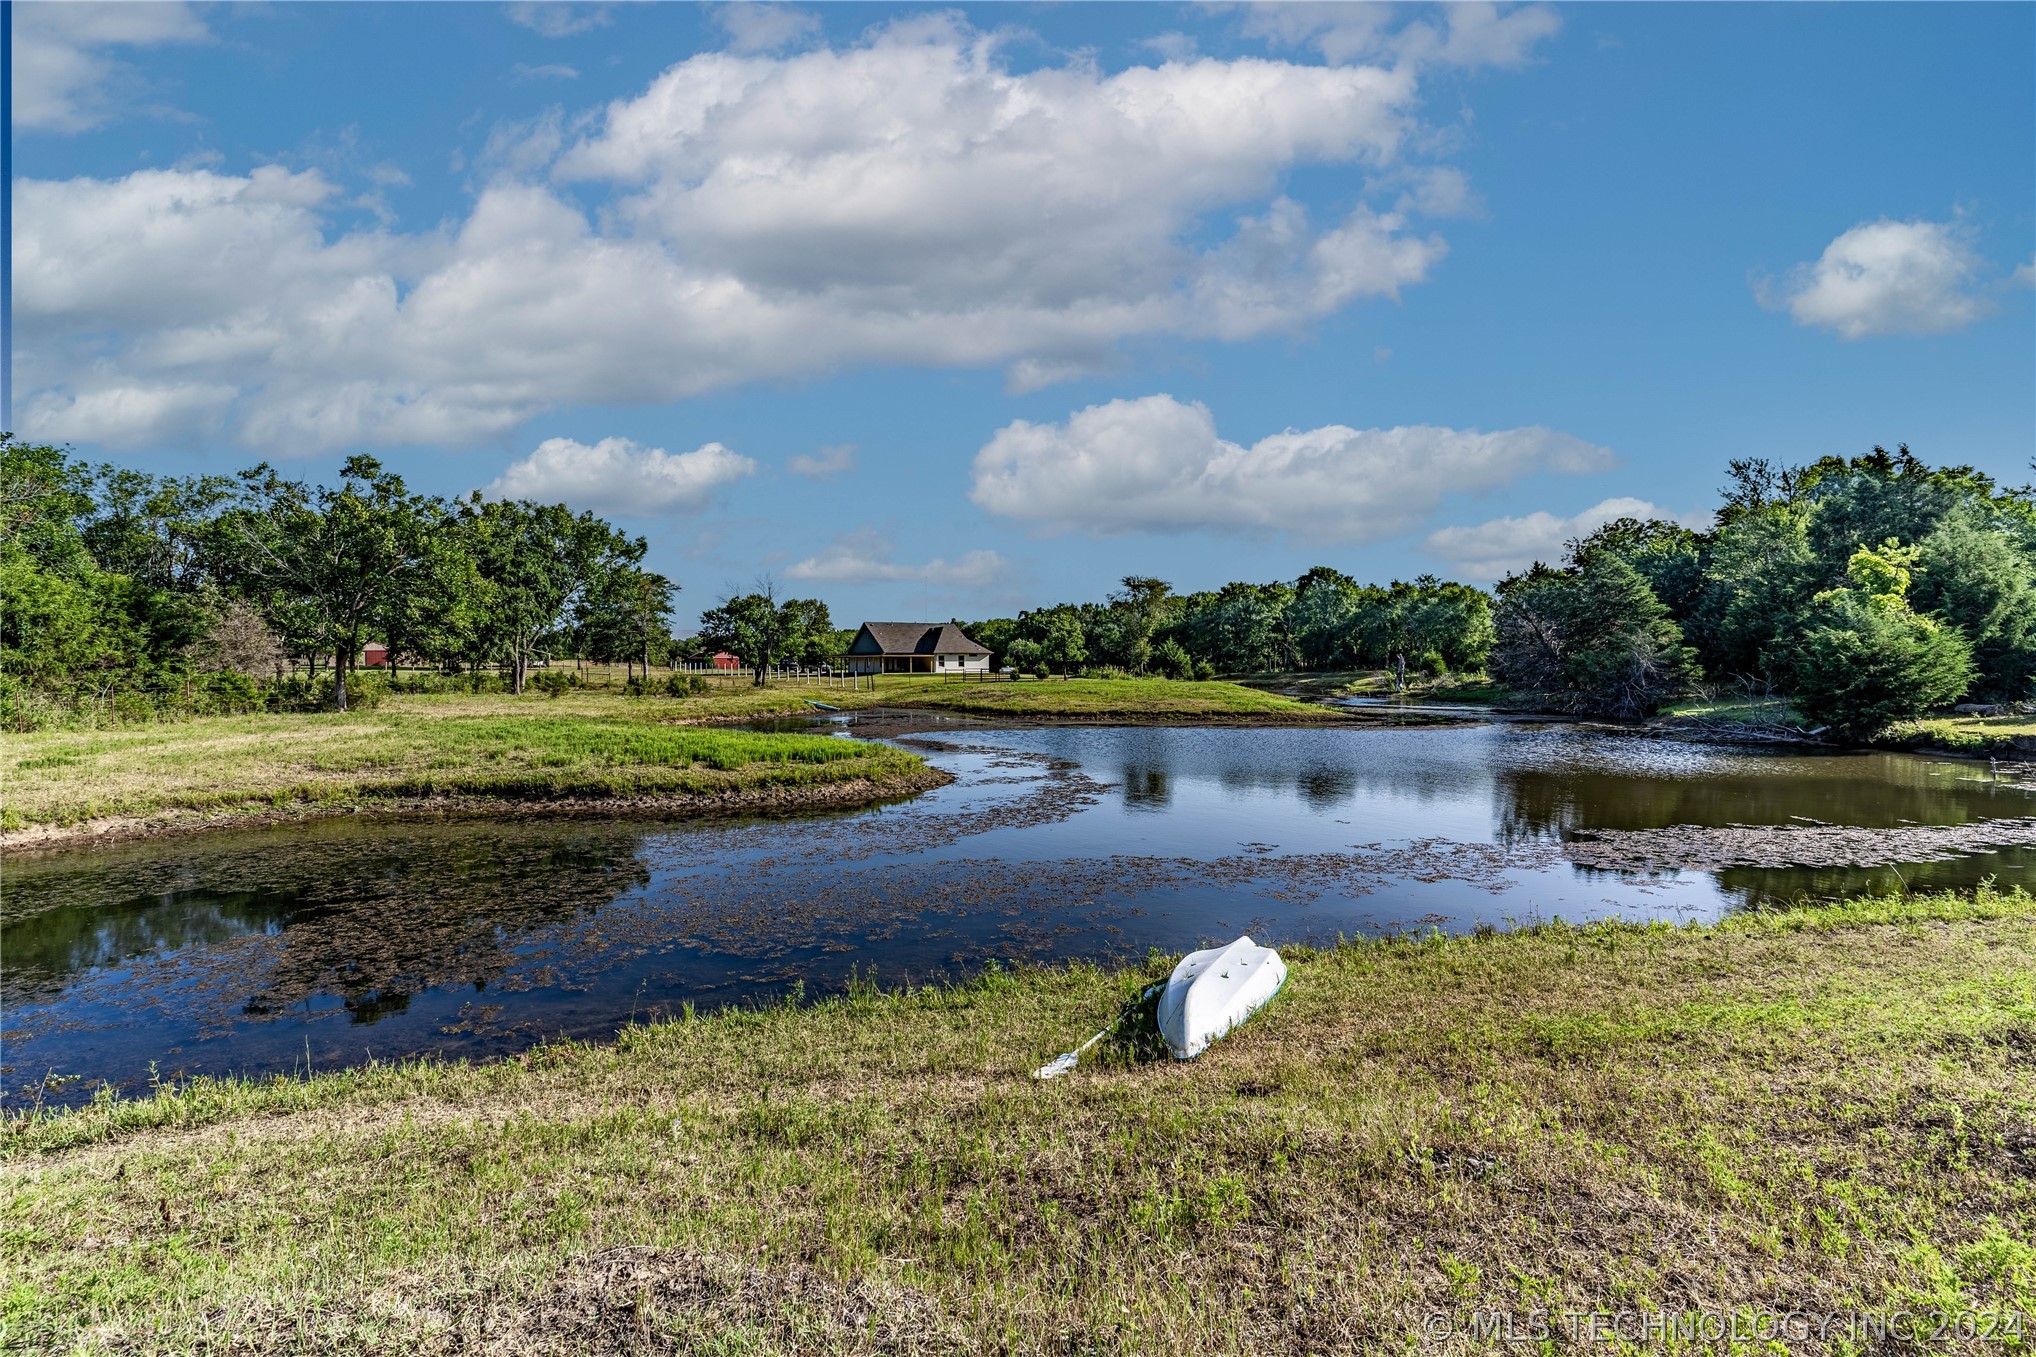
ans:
(1866, 659)
(1064, 643)
(1142, 607)
(809, 631)
(1975, 575)
(536, 563)
(343, 556)
(1170, 659)
(626, 614)
(753, 627)
(1591, 639)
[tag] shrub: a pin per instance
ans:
(1042, 670)
(1171, 660)
(1204, 671)
(684, 685)
(1432, 664)
(552, 683)
(1867, 660)
(364, 692)
(1592, 640)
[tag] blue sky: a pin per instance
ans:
(935, 312)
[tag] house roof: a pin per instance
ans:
(919, 638)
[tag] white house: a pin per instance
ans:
(915, 648)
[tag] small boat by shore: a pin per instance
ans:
(1207, 995)
(1213, 991)
(821, 706)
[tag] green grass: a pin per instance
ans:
(1470, 688)
(1103, 699)
(1967, 734)
(1751, 711)
(1821, 1109)
(584, 744)
(532, 747)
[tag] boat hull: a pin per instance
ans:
(1212, 991)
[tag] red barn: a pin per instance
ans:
(724, 660)
(374, 655)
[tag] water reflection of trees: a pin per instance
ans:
(371, 914)
(1871, 790)
(1146, 787)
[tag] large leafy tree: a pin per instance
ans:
(536, 563)
(1142, 606)
(627, 615)
(1973, 573)
(339, 561)
(1592, 639)
(1867, 659)
(753, 627)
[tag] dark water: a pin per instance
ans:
(332, 942)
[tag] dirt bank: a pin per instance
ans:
(769, 800)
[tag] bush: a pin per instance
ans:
(552, 683)
(1867, 660)
(1591, 640)
(478, 682)
(364, 692)
(1171, 660)
(1101, 671)
(672, 685)
(1432, 664)
(1042, 670)
(1204, 671)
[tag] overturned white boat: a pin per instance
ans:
(1209, 993)
(1212, 991)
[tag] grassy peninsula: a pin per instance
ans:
(1823, 1109)
(587, 745)
(509, 749)
(1110, 699)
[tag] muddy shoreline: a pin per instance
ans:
(850, 794)
(1712, 848)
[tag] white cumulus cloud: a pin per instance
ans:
(1887, 278)
(557, 18)
(1471, 33)
(1156, 464)
(909, 200)
(867, 557)
(615, 476)
(755, 26)
(835, 460)
(1487, 551)
(65, 78)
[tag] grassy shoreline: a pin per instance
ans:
(1823, 1109)
(584, 751)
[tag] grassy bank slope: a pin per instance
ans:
(1144, 699)
(584, 744)
(1813, 1111)
(532, 747)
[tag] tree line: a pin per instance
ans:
(199, 591)
(1869, 590)
(1325, 620)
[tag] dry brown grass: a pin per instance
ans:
(1827, 1111)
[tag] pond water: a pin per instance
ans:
(335, 941)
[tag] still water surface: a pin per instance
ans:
(335, 941)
